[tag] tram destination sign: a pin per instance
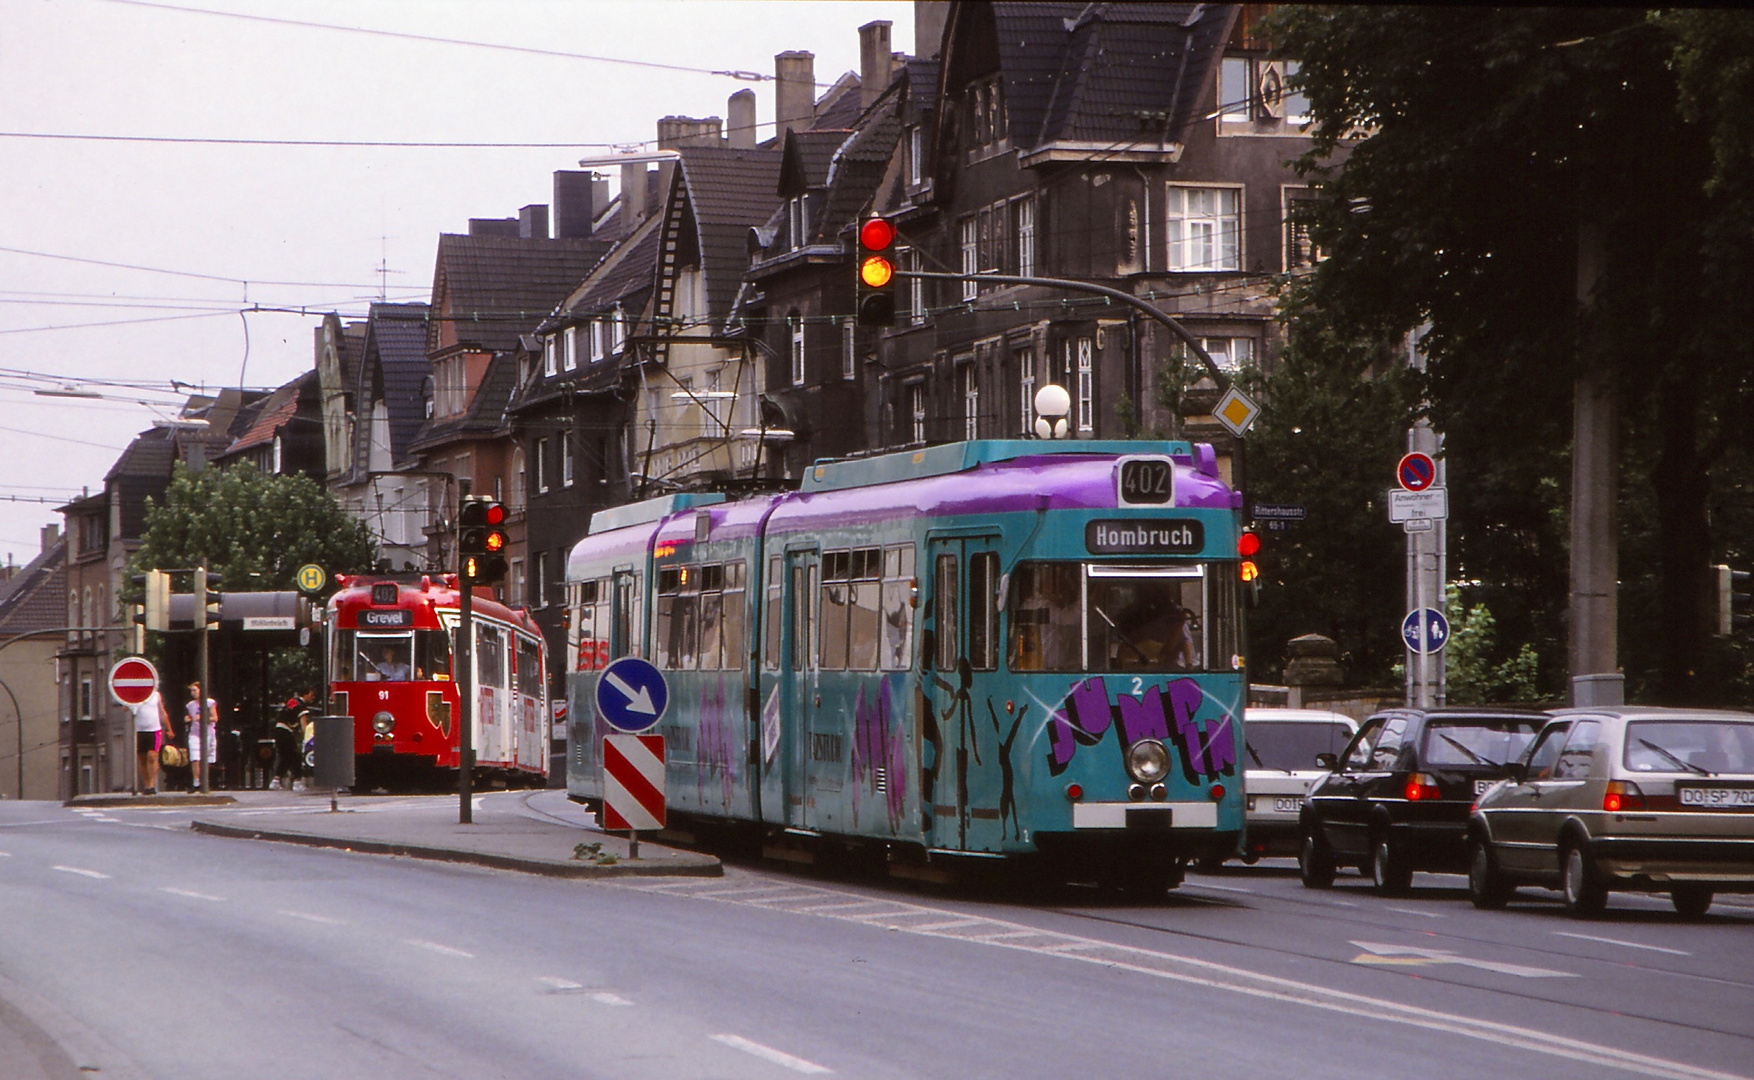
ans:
(1145, 536)
(390, 618)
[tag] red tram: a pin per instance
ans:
(390, 667)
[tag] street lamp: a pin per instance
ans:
(1052, 403)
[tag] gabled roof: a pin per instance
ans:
(36, 597)
(839, 107)
(486, 415)
(493, 288)
(395, 357)
(624, 276)
(277, 410)
(806, 157)
(728, 192)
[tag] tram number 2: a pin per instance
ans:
(1146, 481)
(593, 654)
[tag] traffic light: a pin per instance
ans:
(155, 611)
(874, 288)
(1248, 545)
(1735, 605)
(208, 598)
(481, 540)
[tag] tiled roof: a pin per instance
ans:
(277, 410)
(35, 598)
(624, 276)
(839, 106)
(148, 456)
(1124, 60)
(494, 288)
(807, 154)
(486, 415)
(730, 190)
(1031, 40)
(349, 350)
(396, 341)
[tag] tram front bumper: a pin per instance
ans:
(1149, 816)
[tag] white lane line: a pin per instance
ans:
(1627, 944)
(948, 924)
(1220, 888)
(604, 997)
(554, 982)
(81, 872)
(1421, 914)
(308, 917)
(768, 1053)
(191, 894)
(437, 948)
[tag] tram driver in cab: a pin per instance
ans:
(391, 665)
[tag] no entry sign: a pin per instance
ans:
(133, 680)
(633, 781)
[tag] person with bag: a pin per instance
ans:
(288, 739)
(203, 736)
(151, 723)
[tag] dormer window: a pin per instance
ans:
(798, 219)
(916, 145)
(551, 354)
(987, 112)
(1254, 97)
(598, 333)
(571, 359)
(618, 331)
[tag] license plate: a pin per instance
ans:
(1287, 804)
(1480, 786)
(1716, 798)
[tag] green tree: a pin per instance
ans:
(1476, 670)
(252, 529)
(1462, 153)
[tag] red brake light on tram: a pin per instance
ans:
(1074, 792)
(1216, 792)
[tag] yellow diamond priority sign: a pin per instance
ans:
(1236, 411)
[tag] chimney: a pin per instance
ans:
(51, 537)
(740, 111)
(574, 205)
(493, 226)
(874, 61)
(633, 195)
(599, 195)
(929, 19)
(675, 131)
(533, 222)
(794, 98)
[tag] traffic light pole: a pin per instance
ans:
(465, 683)
(202, 781)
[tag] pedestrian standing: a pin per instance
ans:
(151, 722)
(203, 735)
(288, 738)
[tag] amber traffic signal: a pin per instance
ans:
(874, 288)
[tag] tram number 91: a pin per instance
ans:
(1146, 481)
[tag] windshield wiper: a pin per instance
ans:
(1477, 758)
(1688, 765)
(1246, 745)
(1119, 633)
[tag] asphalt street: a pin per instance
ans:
(134, 945)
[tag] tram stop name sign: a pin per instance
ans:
(632, 695)
(133, 680)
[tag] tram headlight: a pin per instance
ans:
(383, 723)
(1147, 761)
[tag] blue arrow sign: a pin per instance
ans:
(1436, 631)
(632, 695)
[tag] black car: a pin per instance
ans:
(1397, 799)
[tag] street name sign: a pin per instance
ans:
(1416, 472)
(133, 680)
(1436, 631)
(1432, 503)
(632, 695)
(633, 782)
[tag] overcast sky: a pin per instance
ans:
(125, 262)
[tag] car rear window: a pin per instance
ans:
(1293, 744)
(1477, 742)
(1696, 746)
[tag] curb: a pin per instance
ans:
(167, 799)
(695, 866)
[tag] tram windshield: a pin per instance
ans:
(392, 657)
(1067, 616)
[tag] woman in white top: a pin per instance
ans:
(151, 721)
(202, 736)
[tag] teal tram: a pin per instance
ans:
(1013, 650)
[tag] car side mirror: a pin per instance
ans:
(1328, 761)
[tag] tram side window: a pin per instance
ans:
(627, 614)
(432, 654)
(341, 659)
(944, 587)
(983, 610)
(771, 617)
(802, 624)
(529, 670)
(735, 647)
(712, 608)
(676, 635)
(851, 599)
(898, 586)
(490, 655)
(1045, 630)
(836, 598)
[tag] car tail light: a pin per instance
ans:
(1422, 786)
(1622, 795)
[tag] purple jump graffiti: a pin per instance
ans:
(1208, 747)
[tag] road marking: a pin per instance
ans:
(1421, 914)
(556, 983)
(768, 1053)
(437, 948)
(1220, 888)
(308, 917)
(5, 854)
(81, 872)
(604, 997)
(191, 894)
(1627, 944)
(1376, 952)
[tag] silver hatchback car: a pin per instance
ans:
(1637, 799)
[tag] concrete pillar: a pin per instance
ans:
(1596, 678)
(1313, 661)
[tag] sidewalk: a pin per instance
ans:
(506, 833)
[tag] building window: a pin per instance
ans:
(596, 331)
(541, 465)
(797, 324)
(1026, 386)
(1204, 228)
(1024, 214)
(1086, 387)
(565, 461)
(969, 232)
(1299, 205)
(539, 579)
(971, 401)
(516, 584)
(916, 410)
(848, 350)
(1230, 353)
(1255, 97)
(85, 699)
(551, 355)
(987, 104)
(798, 219)
(916, 288)
(618, 331)
(915, 148)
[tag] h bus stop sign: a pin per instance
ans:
(632, 695)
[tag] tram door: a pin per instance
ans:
(970, 785)
(798, 684)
